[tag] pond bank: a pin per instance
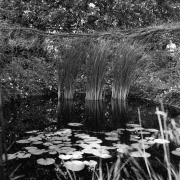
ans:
(171, 100)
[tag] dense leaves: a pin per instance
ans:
(78, 15)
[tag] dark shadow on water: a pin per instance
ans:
(120, 118)
(119, 113)
(95, 118)
(65, 113)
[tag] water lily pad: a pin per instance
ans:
(134, 136)
(161, 141)
(57, 138)
(90, 138)
(112, 138)
(125, 146)
(75, 124)
(23, 155)
(102, 155)
(139, 154)
(74, 165)
(23, 141)
(138, 128)
(143, 132)
(139, 146)
(89, 141)
(45, 162)
(95, 144)
(131, 130)
(65, 157)
(77, 156)
(68, 148)
(120, 129)
(9, 156)
(68, 145)
(64, 132)
(112, 134)
(34, 139)
(35, 151)
(82, 135)
(150, 142)
(134, 125)
(83, 145)
(57, 142)
(177, 153)
(142, 140)
(31, 132)
(52, 152)
(89, 150)
(53, 147)
(47, 144)
(122, 150)
(90, 163)
(152, 130)
(30, 147)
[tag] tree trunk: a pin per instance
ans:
(3, 146)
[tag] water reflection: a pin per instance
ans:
(120, 118)
(65, 113)
(119, 113)
(38, 112)
(94, 113)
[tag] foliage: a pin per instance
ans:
(86, 16)
(24, 68)
(96, 69)
(125, 61)
(72, 57)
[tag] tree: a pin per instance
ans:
(88, 15)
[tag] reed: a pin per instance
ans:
(125, 61)
(96, 69)
(69, 66)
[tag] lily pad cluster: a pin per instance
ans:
(59, 144)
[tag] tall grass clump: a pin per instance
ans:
(125, 60)
(69, 67)
(96, 69)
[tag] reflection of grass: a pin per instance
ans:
(124, 65)
(96, 68)
(94, 115)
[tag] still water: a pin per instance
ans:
(97, 118)
(39, 112)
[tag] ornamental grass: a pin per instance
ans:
(96, 69)
(125, 61)
(70, 64)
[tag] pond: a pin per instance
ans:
(47, 139)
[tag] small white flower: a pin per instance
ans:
(91, 5)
